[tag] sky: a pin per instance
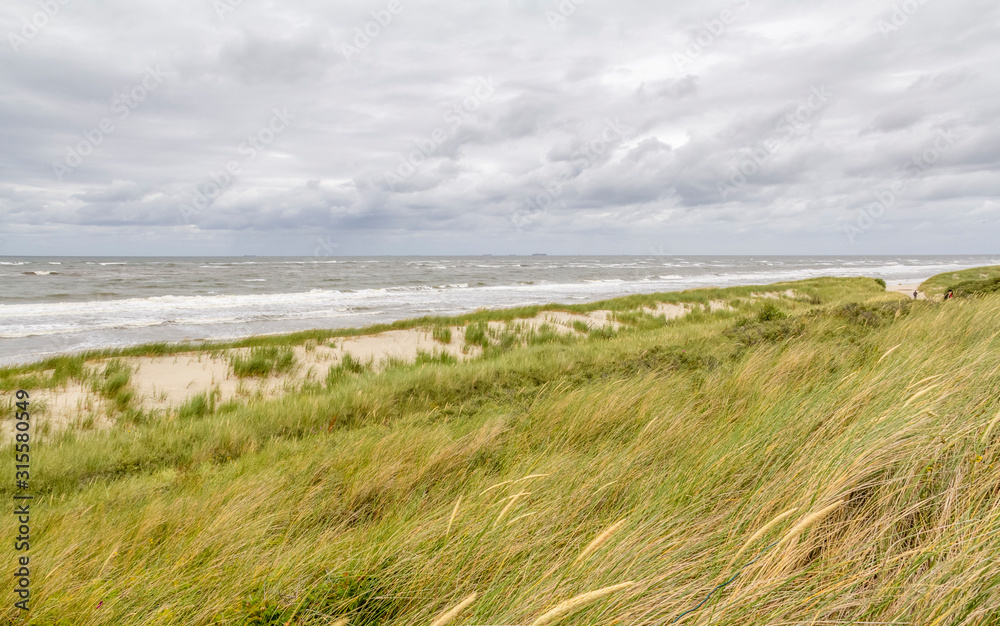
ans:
(399, 127)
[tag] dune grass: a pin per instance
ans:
(263, 361)
(832, 461)
(963, 282)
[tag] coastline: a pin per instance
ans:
(69, 305)
(163, 377)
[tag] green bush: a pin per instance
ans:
(771, 313)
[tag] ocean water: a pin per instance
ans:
(53, 305)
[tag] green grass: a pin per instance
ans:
(964, 282)
(198, 406)
(424, 358)
(387, 498)
(348, 367)
(442, 334)
(113, 384)
(477, 334)
(263, 361)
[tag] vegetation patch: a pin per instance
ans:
(263, 361)
(442, 334)
(348, 367)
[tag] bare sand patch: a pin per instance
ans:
(167, 382)
(668, 310)
(791, 294)
(906, 289)
(672, 311)
(56, 409)
(400, 345)
(560, 321)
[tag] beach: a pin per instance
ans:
(59, 305)
(160, 384)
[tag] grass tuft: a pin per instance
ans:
(263, 361)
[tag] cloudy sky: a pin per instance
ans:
(508, 126)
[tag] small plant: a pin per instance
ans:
(581, 327)
(442, 334)
(443, 358)
(603, 332)
(263, 361)
(546, 333)
(348, 366)
(880, 282)
(113, 384)
(197, 406)
(68, 368)
(766, 328)
(477, 334)
(771, 313)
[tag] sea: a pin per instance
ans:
(54, 305)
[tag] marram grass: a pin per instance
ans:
(859, 433)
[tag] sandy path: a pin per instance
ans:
(906, 289)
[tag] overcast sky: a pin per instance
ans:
(421, 127)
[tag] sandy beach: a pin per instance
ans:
(906, 289)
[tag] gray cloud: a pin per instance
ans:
(395, 146)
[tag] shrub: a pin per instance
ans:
(771, 313)
(749, 332)
(871, 315)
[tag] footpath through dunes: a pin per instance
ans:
(826, 458)
(104, 389)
